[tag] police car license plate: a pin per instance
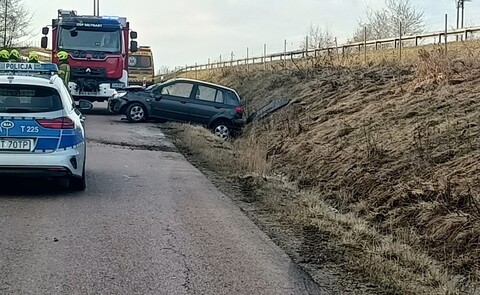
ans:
(15, 144)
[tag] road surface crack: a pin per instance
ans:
(132, 146)
(186, 270)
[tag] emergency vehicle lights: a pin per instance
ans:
(111, 17)
(28, 67)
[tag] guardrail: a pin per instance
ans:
(359, 47)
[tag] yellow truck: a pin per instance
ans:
(141, 70)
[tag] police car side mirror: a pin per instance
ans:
(85, 105)
(44, 42)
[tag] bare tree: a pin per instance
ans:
(385, 22)
(19, 20)
(319, 38)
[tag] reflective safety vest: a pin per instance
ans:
(64, 73)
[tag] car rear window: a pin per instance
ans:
(28, 99)
(231, 99)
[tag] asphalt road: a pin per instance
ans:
(148, 223)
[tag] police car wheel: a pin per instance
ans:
(136, 112)
(78, 183)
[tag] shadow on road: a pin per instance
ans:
(98, 111)
(36, 187)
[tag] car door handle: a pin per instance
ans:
(183, 102)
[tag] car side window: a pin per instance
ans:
(178, 89)
(209, 94)
(206, 93)
(219, 98)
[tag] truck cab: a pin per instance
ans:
(97, 47)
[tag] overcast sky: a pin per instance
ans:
(187, 31)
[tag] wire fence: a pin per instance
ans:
(443, 37)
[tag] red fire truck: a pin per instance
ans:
(98, 49)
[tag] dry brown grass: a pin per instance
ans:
(388, 260)
(394, 149)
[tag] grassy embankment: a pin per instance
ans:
(380, 158)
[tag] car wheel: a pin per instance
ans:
(136, 113)
(222, 129)
(78, 183)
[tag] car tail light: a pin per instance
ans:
(239, 110)
(58, 123)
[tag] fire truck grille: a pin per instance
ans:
(88, 72)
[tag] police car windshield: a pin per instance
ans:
(89, 40)
(28, 99)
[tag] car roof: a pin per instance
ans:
(27, 80)
(199, 81)
(54, 81)
(23, 73)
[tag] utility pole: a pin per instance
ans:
(458, 13)
(461, 13)
(96, 7)
(5, 28)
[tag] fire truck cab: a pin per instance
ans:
(98, 49)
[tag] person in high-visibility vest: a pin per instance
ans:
(4, 55)
(33, 57)
(14, 55)
(63, 67)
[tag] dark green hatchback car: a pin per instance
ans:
(217, 107)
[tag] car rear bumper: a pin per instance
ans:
(23, 171)
(238, 124)
(60, 163)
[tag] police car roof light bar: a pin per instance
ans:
(45, 70)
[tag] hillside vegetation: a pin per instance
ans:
(383, 159)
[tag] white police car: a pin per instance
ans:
(41, 128)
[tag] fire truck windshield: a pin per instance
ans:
(89, 40)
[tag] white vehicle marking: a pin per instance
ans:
(29, 129)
